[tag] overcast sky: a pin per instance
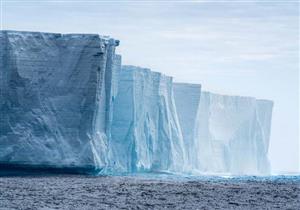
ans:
(238, 48)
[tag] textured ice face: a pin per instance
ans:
(53, 98)
(65, 102)
(224, 134)
(145, 132)
(233, 134)
(187, 99)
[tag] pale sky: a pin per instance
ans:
(246, 47)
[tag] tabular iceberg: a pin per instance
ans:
(146, 135)
(53, 102)
(66, 103)
(187, 99)
(228, 134)
(233, 134)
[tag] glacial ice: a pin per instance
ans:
(53, 102)
(231, 133)
(145, 132)
(187, 99)
(65, 102)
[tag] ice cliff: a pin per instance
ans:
(146, 135)
(187, 99)
(65, 102)
(55, 99)
(228, 134)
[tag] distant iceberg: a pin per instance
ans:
(67, 103)
(229, 134)
(233, 133)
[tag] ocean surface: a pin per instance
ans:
(148, 191)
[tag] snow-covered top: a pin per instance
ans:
(192, 85)
(242, 98)
(138, 69)
(106, 39)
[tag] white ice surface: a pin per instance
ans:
(233, 134)
(53, 98)
(65, 102)
(145, 132)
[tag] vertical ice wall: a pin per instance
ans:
(112, 91)
(145, 131)
(187, 99)
(233, 134)
(53, 98)
(64, 102)
(223, 134)
(264, 110)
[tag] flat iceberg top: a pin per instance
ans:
(107, 39)
(140, 70)
(236, 97)
(190, 85)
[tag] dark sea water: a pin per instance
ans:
(145, 191)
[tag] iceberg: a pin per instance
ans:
(146, 136)
(66, 102)
(53, 102)
(233, 133)
(227, 134)
(187, 99)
